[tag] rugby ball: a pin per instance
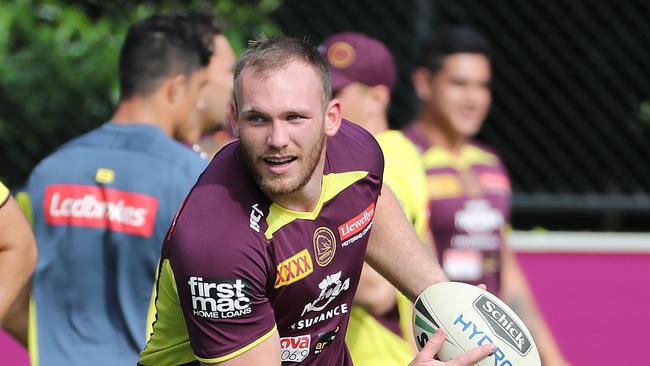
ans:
(472, 317)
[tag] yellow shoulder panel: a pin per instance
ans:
(439, 157)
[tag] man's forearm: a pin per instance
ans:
(395, 251)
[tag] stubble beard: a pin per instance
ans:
(281, 185)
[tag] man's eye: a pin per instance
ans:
(255, 119)
(294, 117)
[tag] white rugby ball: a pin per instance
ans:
(472, 317)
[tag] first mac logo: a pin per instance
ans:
(219, 298)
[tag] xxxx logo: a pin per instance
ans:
(293, 269)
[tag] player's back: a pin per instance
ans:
(101, 205)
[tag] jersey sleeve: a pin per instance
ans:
(4, 194)
(221, 280)
(355, 149)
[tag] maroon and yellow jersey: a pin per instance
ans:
(469, 197)
(236, 266)
(4, 194)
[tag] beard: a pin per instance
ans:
(280, 185)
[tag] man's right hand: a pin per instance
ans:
(426, 357)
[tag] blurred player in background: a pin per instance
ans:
(254, 270)
(102, 203)
(468, 185)
(211, 128)
(17, 254)
(363, 74)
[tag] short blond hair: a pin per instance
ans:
(269, 54)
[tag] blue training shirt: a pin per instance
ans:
(102, 204)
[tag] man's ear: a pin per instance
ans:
(234, 117)
(421, 80)
(175, 87)
(332, 117)
(380, 94)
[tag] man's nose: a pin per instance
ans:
(279, 136)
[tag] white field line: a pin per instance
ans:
(590, 242)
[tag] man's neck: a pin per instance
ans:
(375, 124)
(138, 110)
(437, 136)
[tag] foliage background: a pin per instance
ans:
(58, 66)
